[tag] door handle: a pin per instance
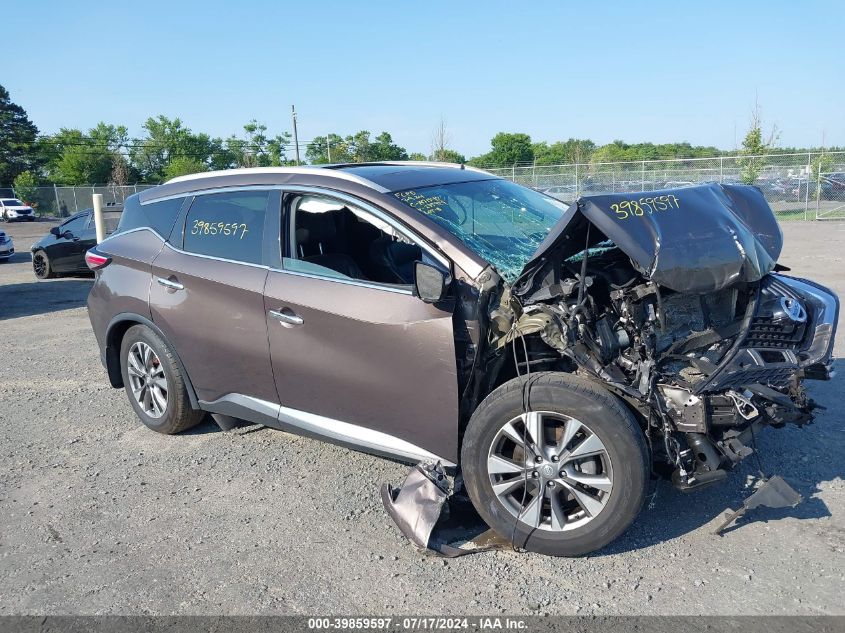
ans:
(287, 317)
(170, 285)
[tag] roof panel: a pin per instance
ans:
(397, 177)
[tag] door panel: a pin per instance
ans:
(65, 253)
(87, 241)
(375, 358)
(216, 321)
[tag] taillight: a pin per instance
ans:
(96, 260)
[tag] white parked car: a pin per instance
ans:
(12, 209)
(7, 247)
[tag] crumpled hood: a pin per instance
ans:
(694, 239)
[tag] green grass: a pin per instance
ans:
(796, 214)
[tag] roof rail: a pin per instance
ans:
(278, 170)
(408, 163)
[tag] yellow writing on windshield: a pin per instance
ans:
(430, 205)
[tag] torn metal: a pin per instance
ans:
(434, 518)
(673, 301)
(670, 300)
(416, 506)
(773, 493)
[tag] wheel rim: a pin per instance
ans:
(39, 264)
(147, 379)
(559, 479)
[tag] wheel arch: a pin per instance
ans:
(506, 372)
(574, 396)
(36, 250)
(115, 332)
(500, 368)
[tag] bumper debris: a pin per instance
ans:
(774, 493)
(435, 517)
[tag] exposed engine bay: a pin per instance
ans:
(681, 312)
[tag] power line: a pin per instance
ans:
(158, 144)
(87, 141)
(97, 148)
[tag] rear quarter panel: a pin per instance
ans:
(124, 285)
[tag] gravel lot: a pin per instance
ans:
(100, 516)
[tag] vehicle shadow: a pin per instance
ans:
(42, 297)
(800, 455)
(17, 258)
(208, 425)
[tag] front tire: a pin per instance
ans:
(565, 479)
(41, 265)
(154, 383)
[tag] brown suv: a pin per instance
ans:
(552, 353)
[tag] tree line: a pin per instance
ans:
(106, 154)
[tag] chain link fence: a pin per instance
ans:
(808, 185)
(830, 203)
(64, 201)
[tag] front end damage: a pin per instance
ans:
(679, 311)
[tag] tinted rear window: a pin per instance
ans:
(159, 216)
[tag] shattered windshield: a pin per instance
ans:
(501, 221)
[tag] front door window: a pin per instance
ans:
(335, 239)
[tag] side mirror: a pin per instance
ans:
(430, 283)
(55, 231)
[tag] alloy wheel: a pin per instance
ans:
(39, 265)
(550, 471)
(147, 379)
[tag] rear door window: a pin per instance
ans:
(227, 225)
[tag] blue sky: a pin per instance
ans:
(637, 71)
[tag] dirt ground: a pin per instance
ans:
(100, 516)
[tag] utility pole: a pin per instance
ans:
(295, 136)
(329, 148)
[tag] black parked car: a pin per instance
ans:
(63, 249)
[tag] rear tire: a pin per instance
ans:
(591, 478)
(41, 265)
(154, 383)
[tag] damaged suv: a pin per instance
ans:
(554, 355)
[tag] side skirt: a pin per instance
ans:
(318, 427)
